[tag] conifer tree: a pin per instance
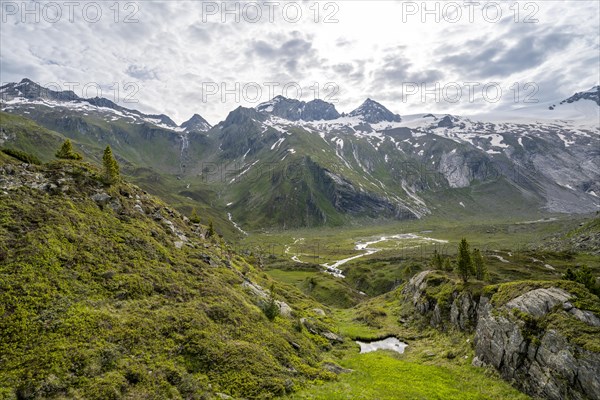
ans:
(66, 152)
(447, 265)
(436, 260)
(110, 167)
(194, 218)
(270, 308)
(479, 265)
(211, 229)
(464, 264)
(569, 275)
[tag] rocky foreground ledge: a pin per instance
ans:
(542, 336)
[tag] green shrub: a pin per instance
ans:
(66, 152)
(22, 156)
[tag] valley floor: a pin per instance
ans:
(364, 303)
(434, 365)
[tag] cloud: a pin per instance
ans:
(199, 34)
(171, 54)
(141, 72)
(397, 69)
(290, 55)
(497, 58)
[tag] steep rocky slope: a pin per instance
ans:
(544, 337)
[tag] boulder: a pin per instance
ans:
(539, 302)
(101, 198)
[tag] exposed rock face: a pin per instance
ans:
(347, 198)
(550, 367)
(460, 169)
(516, 338)
(101, 198)
(416, 285)
(463, 312)
(460, 312)
(284, 309)
(446, 122)
(539, 302)
(295, 110)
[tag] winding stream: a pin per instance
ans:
(334, 270)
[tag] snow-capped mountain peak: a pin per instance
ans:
(30, 94)
(32, 91)
(591, 94)
(196, 123)
(373, 112)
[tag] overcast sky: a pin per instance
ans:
(181, 55)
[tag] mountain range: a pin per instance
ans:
(288, 163)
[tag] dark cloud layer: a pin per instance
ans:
(498, 58)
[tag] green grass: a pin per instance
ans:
(139, 162)
(101, 304)
(383, 375)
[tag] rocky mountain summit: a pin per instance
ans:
(296, 110)
(592, 94)
(196, 123)
(373, 113)
(12, 95)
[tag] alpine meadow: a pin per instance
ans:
(299, 200)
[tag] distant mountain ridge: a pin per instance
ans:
(288, 163)
(29, 90)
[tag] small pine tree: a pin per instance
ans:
(211, 229)
(271, 309)
(111, 168)
(436, 260)
(479, 265)
(194, 218)
(447, 265)
(585, 276)
(464, 264)
(66, 152)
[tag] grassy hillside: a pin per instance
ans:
(121, 297)
(21, 133)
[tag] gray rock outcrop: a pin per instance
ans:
(547, 365)
(524, 339)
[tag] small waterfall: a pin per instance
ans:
(183, 154)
